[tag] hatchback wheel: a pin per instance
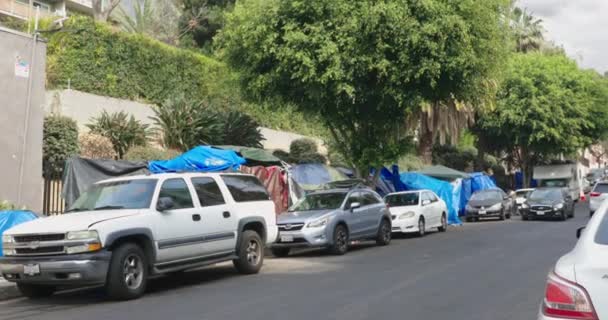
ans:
(384, 233)
(340, 245)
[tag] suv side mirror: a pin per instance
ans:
(355, 205)
(164, 204)
(426, 202)
(579, 231)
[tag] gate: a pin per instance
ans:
(52, 201)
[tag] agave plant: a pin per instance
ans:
(185, 124)
(241, 130)
(123, 130)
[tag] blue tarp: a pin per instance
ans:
(202, 158)
(519, 181)
(445, 191)
(480, 181)
(9, 219)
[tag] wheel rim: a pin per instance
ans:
(421, 227)
(444, 223)
(253, 252)
(386, 232)
(133, 271)
(341, 239)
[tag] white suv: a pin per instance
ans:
(123, 230)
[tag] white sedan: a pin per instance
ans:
(577, 288)
(417, 211)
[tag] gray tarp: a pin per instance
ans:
(81, 173)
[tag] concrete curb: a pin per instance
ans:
(8, 290)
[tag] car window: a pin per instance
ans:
(425, 196)
(369, 199)
(354, 197)
(601, 188)
(245, 188)
(601, 236)
(432, 197)
(177, 190)
(542, 194)
(403, 199)
(486, 195)
(319, 201)
(208, 192)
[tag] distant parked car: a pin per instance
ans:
(598, 194)
(576, 286)
(521, 196)
(489, 203)
(417, 211)
(549, 203)
(331, 219)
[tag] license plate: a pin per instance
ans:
(31, 269)
(540, 213)
(482, 212)
(286, 239)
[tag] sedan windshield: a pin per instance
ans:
(402, 200)
(319, 201)
(546, 194)
(128, 194)
(484, 196)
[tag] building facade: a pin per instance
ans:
(26, 9)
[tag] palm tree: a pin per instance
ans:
(142, 20)
(527, 30)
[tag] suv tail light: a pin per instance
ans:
(595, 194)
(567, 300)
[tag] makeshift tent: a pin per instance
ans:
(9, 219)
(202, 159)
(443, 173)
(254, 156)
(519, 181)
(417, 181)
(314, 176)
(480, 181)
(81, 173)
(275, 181)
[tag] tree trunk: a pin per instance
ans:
(425, 144)
(526, 167)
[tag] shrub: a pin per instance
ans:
(5, 206)
(462, 159)
(283, 155)
(305, 151)
(95, 146)
(123, 130)
(60, 141)
(410, 162)
(140, 153)
(241, 130)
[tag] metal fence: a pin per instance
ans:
(52, 201)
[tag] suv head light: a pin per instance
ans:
(82, 235)
(318, 223)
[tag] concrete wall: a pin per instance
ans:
(15, 130)
(82, 107)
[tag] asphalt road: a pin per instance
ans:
(487, 270)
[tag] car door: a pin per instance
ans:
(353, 216)
(371, 215)
(425, 207)
(435, 209)
(180, 230)
(215, 215)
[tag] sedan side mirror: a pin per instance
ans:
(164, 204)
(579, 232)
(426, 202)
(355, 205)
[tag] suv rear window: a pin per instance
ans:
(245, 188)
(208, 192)
(601, 188)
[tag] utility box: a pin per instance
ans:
(22, 94)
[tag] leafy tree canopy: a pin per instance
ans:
(362, 65)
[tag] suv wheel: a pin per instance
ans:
(251, 253)
(280, 252)
(384, 233)
(128, 273)
(421, 227)
(444, 223)
(340, 243)
(33, 291)
(502, 215)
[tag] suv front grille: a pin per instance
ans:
(291, 227)
(40, 250)
(40, 237)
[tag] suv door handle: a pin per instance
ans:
(196, 217)
(226, 214)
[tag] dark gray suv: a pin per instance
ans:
(331, 219)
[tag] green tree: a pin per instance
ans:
(546, 107)
(201, 20)
(123, 130)
(362, 65)
(60, 141)
(156, 19)
(527, 30)
(305, 151)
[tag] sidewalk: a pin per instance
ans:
(8, 290)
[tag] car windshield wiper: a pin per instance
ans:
(109, 207)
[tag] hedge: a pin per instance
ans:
(94, 58)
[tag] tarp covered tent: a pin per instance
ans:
(81, 173)
(254, 156)
(417, 181)
(519, 181)
(480, 181)
(275, 181)
(202, 159)
(9, 219)
(314, 176)
(443, 173)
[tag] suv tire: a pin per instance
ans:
(33, 291)
(280, 252)
(340, 241)
(384, 233)
(128, 273)
(251, 253)
(444, 223)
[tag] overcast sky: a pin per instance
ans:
(580, 26)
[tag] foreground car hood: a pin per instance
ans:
(69, 222)
(301, 216)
